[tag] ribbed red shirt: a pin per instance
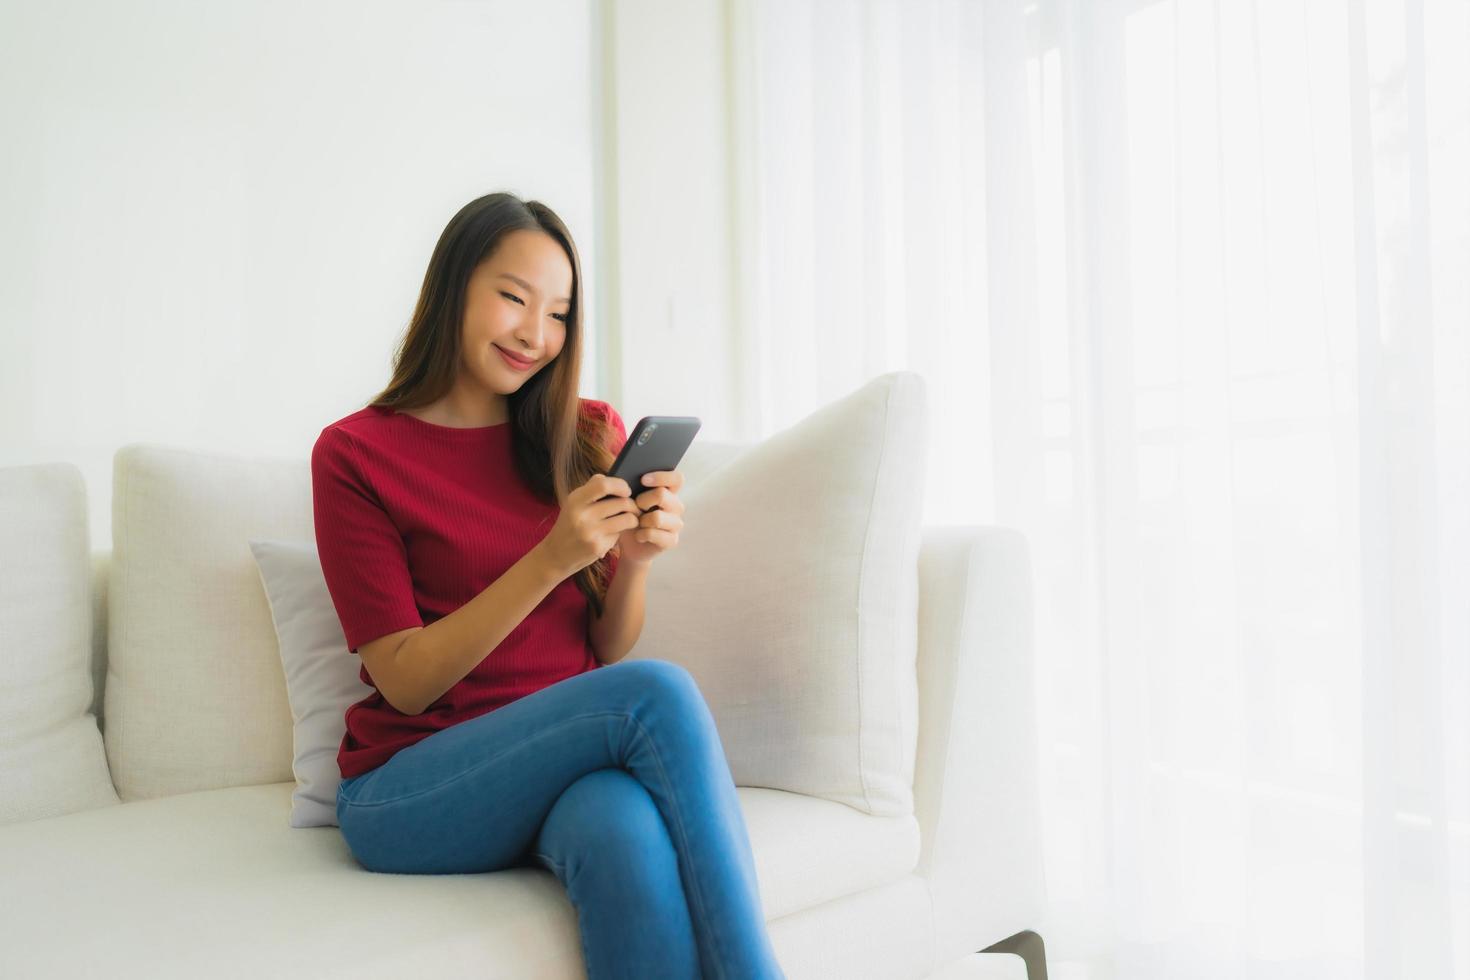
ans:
(412, 521)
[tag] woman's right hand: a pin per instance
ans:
(588, 526)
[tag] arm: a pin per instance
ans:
(614, 632)
(438, 656)
(366, 569)
(977, 767)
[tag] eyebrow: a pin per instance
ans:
(525, 285)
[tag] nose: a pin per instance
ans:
(529, 336)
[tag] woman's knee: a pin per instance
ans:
(606, 815)
(673, 681)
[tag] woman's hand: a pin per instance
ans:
(657, 530)
(591, 520)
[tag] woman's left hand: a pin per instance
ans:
(657, 530)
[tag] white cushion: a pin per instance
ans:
(51, 756)
(323, 679)
(195, 697)
(792, 598)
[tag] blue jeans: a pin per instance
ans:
(614, 780)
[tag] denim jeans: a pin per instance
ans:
(615, 781)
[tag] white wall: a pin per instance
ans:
(216, 217)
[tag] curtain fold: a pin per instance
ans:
(1190, 283)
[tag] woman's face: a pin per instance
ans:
(518, 301)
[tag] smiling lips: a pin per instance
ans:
(518, 363)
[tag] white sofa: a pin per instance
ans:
(194, 871)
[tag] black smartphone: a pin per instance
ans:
(657, 443)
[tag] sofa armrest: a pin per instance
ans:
(976, 785)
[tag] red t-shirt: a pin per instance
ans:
(412, 521)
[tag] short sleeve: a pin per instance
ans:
(362, 554)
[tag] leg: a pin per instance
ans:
(474, 796)
(1029, 947)
(606, 842)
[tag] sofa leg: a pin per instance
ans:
(1029, 947)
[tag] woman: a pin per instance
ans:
(491, 576)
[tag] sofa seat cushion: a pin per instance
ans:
(809, 850)
(216, 883)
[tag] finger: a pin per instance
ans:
(656, 535)
(611, 486)
(667, 520)
(611, 506)
(661, 499)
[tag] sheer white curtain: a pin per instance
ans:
(1190, 282)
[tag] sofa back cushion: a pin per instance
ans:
(51, 755)
(195, 697)
(792, 597)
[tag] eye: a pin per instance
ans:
(560, 316)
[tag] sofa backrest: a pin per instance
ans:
(793, 602)
(190, 687)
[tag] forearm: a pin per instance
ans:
(616, 630)
(442, 653)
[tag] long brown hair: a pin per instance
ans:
(555, 445)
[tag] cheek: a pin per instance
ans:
(481, 325)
